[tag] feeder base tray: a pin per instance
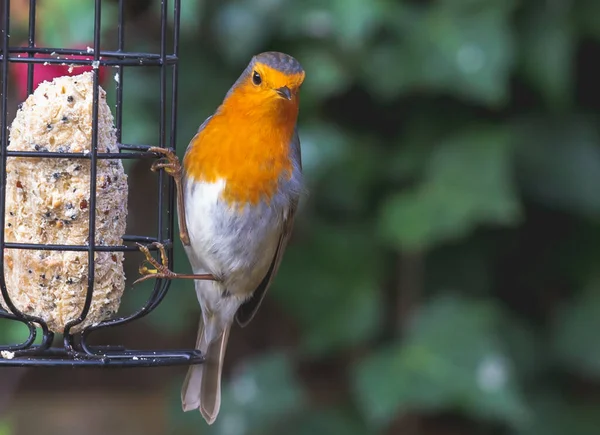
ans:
(100, 357)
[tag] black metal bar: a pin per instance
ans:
(173, 139)
(88, 62)
(84, 52)
(122, 359)
(93, 171)
(119, 76)
(142, 153)
(134, 147)
(81, 248)
(31, 42)
(86, 156)
(4, 145)
(163, 109)
(144, 239)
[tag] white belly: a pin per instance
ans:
(237, 246)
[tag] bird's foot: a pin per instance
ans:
(169, 161)
(161, 270)
(151, 268)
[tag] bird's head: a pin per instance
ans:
(270, 81)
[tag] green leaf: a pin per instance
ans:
(452, 359)
(467, 183)
(575, 334)
(469, 55)
(548, 47)
(558, 163)
(338, 305)
(462, 48)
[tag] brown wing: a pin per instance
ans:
(249, 308)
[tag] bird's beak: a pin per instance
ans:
(284, 92)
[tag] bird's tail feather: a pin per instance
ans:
(202, 386)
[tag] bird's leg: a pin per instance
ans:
(170, 163)
(161, 270)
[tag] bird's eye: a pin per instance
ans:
(256, 78)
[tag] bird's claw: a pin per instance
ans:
(169, 162)
(157, 270)
(161, 270)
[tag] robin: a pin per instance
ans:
(237, 193)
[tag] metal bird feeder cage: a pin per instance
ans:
(75, 349)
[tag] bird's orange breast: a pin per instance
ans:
(252, 154)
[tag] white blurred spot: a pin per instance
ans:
(117, 77)
(492, 374)
(318, 23)
(95, 64)
(90, 50)
(470, 58)
(245, 390)
(7, 354)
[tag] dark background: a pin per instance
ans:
(443, 274)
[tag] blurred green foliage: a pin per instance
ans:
(5, 428)
(452, 154)
(452, 357)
